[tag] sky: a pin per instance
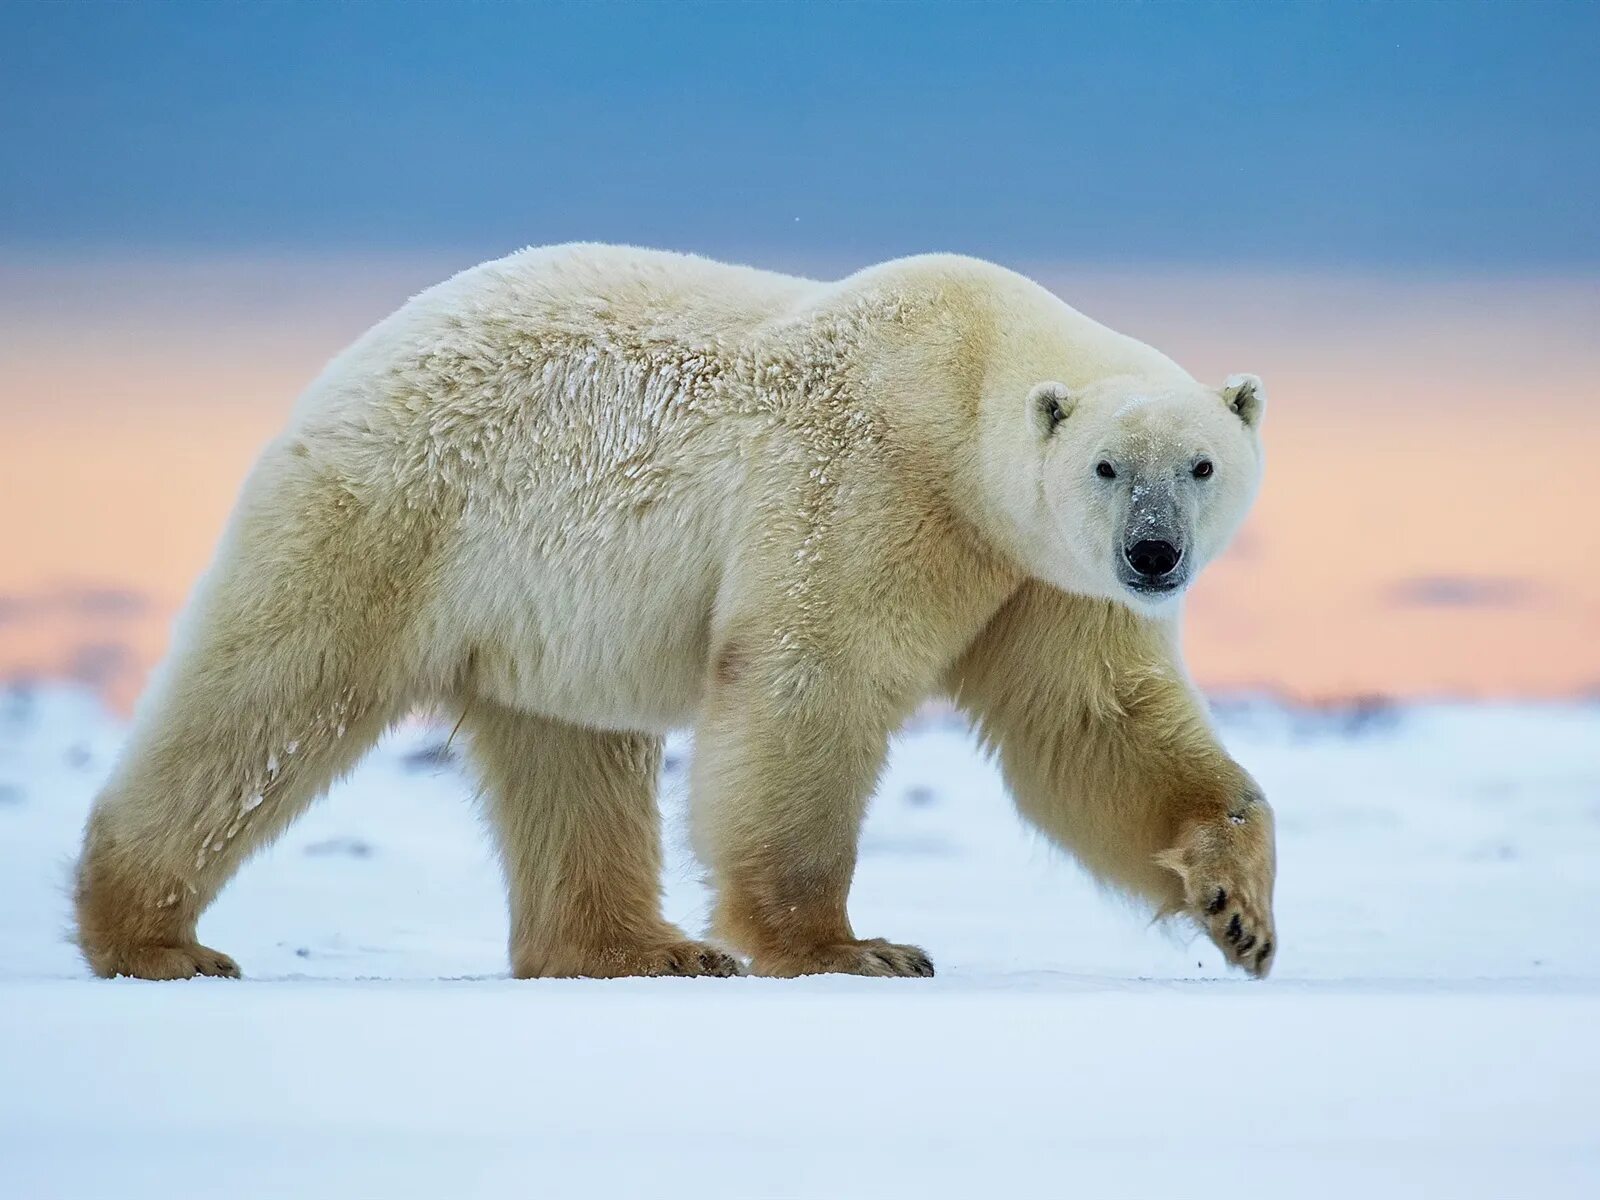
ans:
(1386, 210)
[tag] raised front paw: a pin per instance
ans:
(872, 956)
(1227, 866)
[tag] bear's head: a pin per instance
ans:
(1142, 485)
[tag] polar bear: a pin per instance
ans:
(583, 495)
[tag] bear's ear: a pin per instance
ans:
(1049, 404)
(1246, 396)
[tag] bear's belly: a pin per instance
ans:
(589, 672)
(607, 628)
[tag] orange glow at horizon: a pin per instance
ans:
(1426, 525)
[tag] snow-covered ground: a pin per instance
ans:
(1432, 1027)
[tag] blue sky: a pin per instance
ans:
(1412, 136)
(1390, 211)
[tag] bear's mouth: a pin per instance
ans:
(1154, 587)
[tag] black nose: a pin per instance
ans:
(1152, 558)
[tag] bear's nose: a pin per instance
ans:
(1153, 558)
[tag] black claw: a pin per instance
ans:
(1235, 929)
(1217, 901)
(1247, 943)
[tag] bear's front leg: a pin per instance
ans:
(1148, 800)
(785, 760)
(1107, 748)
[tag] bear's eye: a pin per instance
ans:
(1203, 469)
(1105, 470)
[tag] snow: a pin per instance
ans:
(1431, 1027)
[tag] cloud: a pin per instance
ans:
(99, 664)
(1462, 591)
(86, 601)
(107, 602)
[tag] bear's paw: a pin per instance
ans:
(1226, 866)
(872, 956)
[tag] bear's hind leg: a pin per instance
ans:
(574, 813)
(287, 668)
